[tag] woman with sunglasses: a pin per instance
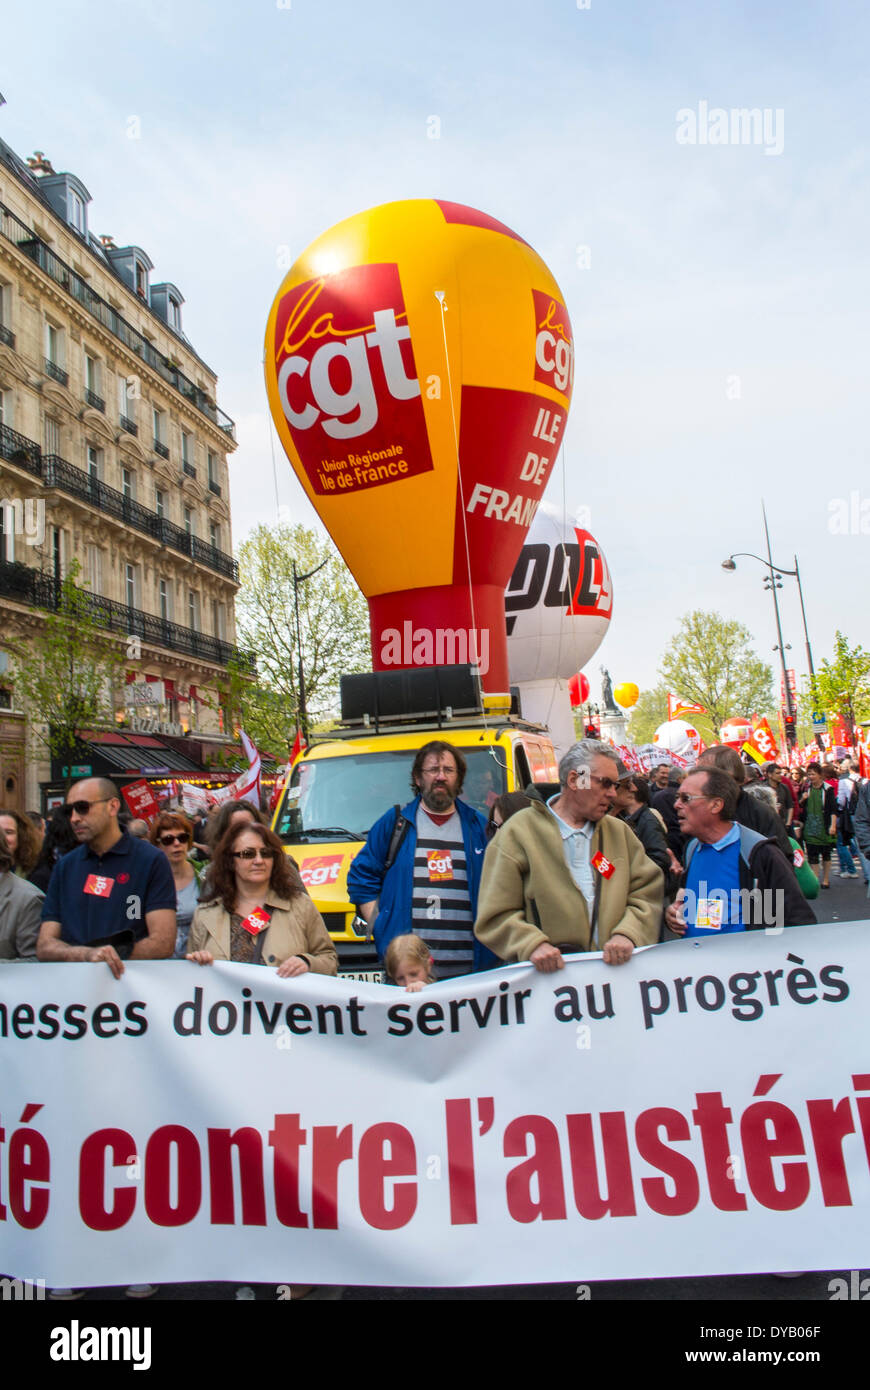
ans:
(173, 833)
(260, 913)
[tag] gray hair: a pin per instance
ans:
(582, 755)
(759, 791)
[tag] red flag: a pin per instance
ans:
(299, 746)
(677, 707)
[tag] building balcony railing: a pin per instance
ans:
(214, 487)
(58, 373)
(129, 425)
(96, 401)
(7, 336)
(188, 470)
(22, 236)
(20, 450)
(58, 472)
(30, 586)
(161, 449)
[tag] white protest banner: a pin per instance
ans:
(703, 1109)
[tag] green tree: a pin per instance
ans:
(333, 618)
(842, 686)
(68, 672)
(710, 662)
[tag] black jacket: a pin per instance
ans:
(756, 816)
(648, 830)
(665, 803)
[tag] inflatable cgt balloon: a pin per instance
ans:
(419, 366)
(679, 737)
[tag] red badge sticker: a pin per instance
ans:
(99, 885)
(123, 878)
(604, 866)
(440, 864)
(256, 922)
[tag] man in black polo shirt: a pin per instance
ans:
(112, 889)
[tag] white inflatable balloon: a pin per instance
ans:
(678, 737)
(558, 603)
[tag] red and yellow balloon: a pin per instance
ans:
(419, 366)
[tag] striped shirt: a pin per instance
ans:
(441, 909)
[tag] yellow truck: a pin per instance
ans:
(350, 776)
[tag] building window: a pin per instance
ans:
(5, 408)
(92, 374)
(95, 462)
(141, 281)
(5, 312)
(189, 522)
(76, 212)
(159, 426)
(95, 569)
(212, 468)
(159, 502)
(7, 533)
(59, 553)
(50, 436)
(128, 484)
(174, 314)
(193, 610)
(217, 619)
(186, 448)
(214, 535)
(131, 586)
(54, 344)
(165, 598)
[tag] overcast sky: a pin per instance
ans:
(721, 323)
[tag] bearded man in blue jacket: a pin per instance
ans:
(419, 870)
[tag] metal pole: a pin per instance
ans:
(789, 706)
(297, 580)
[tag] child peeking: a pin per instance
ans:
(408, 963)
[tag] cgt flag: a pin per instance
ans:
(678, 707)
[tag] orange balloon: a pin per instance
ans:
(626, 694)
(419, 366)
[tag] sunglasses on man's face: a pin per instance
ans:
(181, 839)
(81, 808)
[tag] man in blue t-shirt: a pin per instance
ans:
(736, 878)
(111, 899)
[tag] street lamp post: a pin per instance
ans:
(297, 580)
(773, 581)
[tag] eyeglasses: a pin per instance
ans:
(691, 796)
(81, 808)
(605, 783)
(253, 854)
(447, 768)
(181, 839)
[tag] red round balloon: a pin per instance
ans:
(578, 690)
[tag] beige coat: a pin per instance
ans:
(528, 897)
(296, 929)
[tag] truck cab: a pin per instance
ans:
(349, 777)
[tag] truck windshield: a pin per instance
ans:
(341, 798)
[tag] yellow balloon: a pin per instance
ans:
(626, 694)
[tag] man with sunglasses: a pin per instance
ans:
(727, 864)
(566, 876)
(112, 898)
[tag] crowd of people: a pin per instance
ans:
(605, 860)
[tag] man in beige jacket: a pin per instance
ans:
(566, 876)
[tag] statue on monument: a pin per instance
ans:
(607, 692)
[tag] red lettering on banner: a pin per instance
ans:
(679, 1168)
(543, 1169)
(712, 1119)
(158, 1176)
(248, 1144)
(92, 1180)
(331, 1148)
(375, 1167)
(617, 1163)
(760, 1147)
(829, 1125)
(460, 1163)
(287, 1138)
(29, 1163)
